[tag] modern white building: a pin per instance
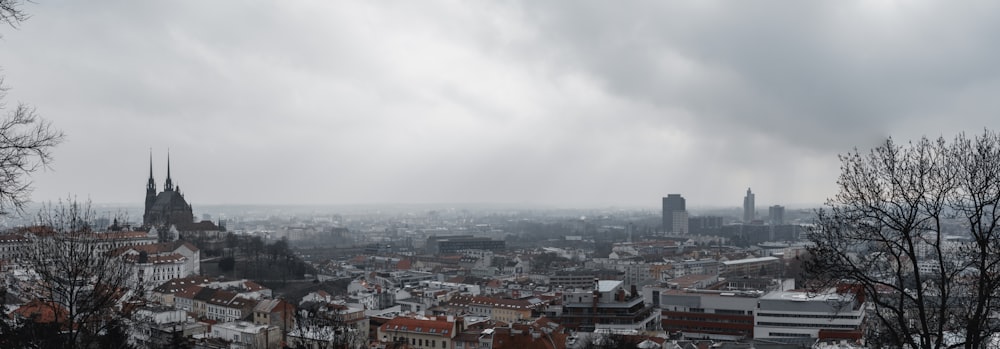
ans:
(792, 314)
(245, 335)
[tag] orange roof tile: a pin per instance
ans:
(176, 285)
(189, 291)
(43, 312)
(411, 325)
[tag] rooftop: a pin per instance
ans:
(608, 285)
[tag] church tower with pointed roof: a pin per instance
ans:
(150, 186)
(167, 207)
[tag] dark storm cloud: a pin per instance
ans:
(818, 75)
(575, 103)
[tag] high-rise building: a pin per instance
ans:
(671, 204)
(776, 214)
(749, 210)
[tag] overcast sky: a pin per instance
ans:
(570, 103)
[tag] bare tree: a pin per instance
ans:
(11, 13)
(76, 275)
(916, 226)
(327, 326)
(26, 141)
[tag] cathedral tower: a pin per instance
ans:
(169, 185)
(150, 185)
(168, 207)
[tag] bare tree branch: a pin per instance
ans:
(26, 143)
(75, 275)
(916, 226)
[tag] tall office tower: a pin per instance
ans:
(671, 204)
(749, 210)
(776, 214)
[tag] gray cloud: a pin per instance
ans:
(571, 103)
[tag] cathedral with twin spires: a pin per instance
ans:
(167, 207)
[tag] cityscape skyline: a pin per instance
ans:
(442, 174)
(522, 103)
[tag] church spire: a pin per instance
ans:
(169, 185)
(151, 184)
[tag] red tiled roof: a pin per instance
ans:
(411, 325)
(200, 226)
(189, 291)
(253, 286)
(219, 297)
(404, 264)
(158, 248)
(504, 339)
(274, 305)
(176, 285)
(37, 230)
(240, 302)
(157, 259)
(491, 302)
(121, 235)
(42, 312)
(13, 238)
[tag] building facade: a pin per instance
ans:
(673, 204)
(454, 244)
(708, 314)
